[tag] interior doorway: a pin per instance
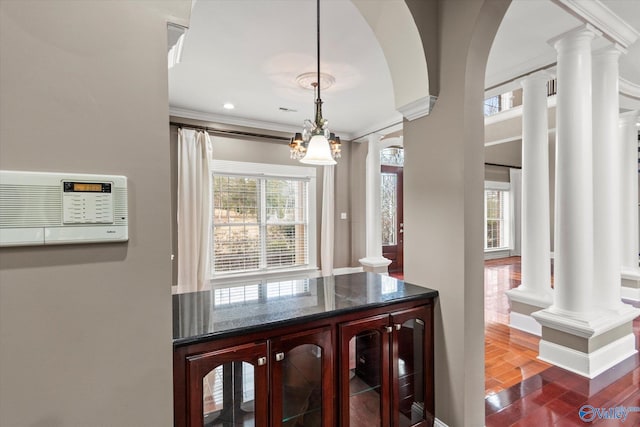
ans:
(391, 198)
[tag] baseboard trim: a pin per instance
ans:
(524, 323)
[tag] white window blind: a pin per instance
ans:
(259, 223)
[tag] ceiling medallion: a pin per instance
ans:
(306, 80)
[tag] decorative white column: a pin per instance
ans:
(577, 333)
(535, 291)
(374, 261)
(629, 171)
(607, 161)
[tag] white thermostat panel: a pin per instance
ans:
(42, 208)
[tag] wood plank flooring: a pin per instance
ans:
(522, 391)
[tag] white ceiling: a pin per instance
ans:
(249, 52)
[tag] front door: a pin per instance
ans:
(392, 221)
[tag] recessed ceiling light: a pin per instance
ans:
(228, 106)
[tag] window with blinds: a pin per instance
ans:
(259, 223)
(497, 224)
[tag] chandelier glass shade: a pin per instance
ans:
(316, 145)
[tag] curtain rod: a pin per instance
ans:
(503, 166)
(228, 132)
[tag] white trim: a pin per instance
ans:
(242, 121)
(262, 169)
(267, 170)
(419, 108)
(514, 112)
(585, 325)
(497, 185)
(525, 323)
(628, 88)
(631, 294)
(592, 364)
(384, 127)
(497, 253)
(375, 262)
(596, 13)
(525, 296)
(347, 270)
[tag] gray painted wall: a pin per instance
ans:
(85, 330)
(443, 189)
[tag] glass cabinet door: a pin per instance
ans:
(364, 373)
(301, 379)
(229, 387)
(412, 368)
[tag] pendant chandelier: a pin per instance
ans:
(316, 145)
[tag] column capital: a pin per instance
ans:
(541, 75)
(374, 138)
(573, 38)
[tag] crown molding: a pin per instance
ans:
(385, 127)
(629, 88)
(419, 108)
(594, 12)
(243, 121)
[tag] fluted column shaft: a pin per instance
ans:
(574, 179)
(607, 162)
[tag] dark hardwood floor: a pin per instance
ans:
(522, 391)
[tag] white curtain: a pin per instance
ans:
(194, 210)
(327, 227)
(515, 176)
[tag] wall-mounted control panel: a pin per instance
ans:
(42, 208)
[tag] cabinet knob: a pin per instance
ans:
(389, 329)
(279, 357)
(262, 361)
(398, 326)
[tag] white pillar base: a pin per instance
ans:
(522, 303)
(375, 264)
(587, 345)
(588, 365)
(630, 285)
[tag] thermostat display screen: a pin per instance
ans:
(87, 187)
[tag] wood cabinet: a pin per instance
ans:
(355, 352)
(386, 370)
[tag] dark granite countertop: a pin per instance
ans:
(251, 307)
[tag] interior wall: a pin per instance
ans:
(262, 150)
(443, 184)
(86, 329)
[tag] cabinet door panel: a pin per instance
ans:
(302, 378)
(228, 387)
(412, 366)
(364, 372)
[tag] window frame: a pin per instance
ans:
(507, 212)
(266, 171)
